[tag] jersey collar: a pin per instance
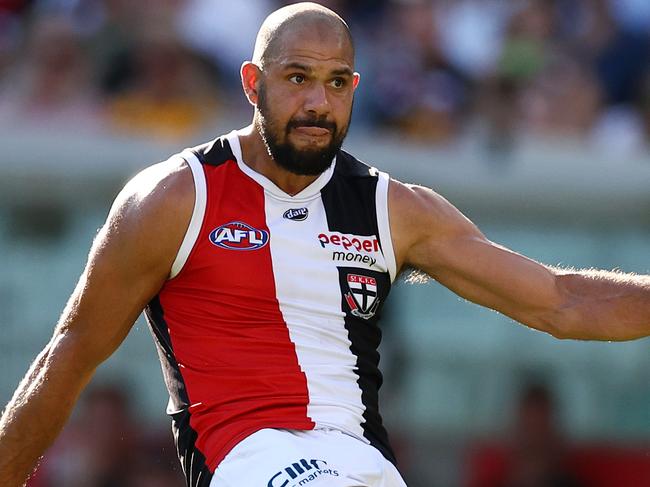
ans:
(309, 192)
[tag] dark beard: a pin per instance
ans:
(308, 162)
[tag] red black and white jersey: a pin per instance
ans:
(269, 317)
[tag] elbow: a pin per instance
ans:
(562, 332)
(560, 318)
(558, 323)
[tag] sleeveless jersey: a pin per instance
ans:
(269, 317)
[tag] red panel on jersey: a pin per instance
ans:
(229, 338)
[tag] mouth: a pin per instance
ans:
(312, 131)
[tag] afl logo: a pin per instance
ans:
(296, 214)
(239, 236)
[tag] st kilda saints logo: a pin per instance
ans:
(362, 298)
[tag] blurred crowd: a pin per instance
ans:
(434, 71)
(106, 444)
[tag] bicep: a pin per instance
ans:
(108, 298)
(494, 276)
(451, 249)
(128, 263)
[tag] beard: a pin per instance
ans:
(302, 162)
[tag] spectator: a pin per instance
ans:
(418, 92)
(534, 456)
(223, 30)
(106, 446)
(644, 105)
(619, 56)
(9, 29)
(563, 100)
(559, 68)
(112, 45)
(52, 87)
(97, 448)
(472, 33)
(503, 100)
(171, 95)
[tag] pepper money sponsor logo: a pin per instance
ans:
(301, 472)
(351, 248)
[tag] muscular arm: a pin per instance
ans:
(433, 236)
(128, 263)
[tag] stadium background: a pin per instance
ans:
(531, 116)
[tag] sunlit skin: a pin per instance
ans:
(310, 76)
(313, 78)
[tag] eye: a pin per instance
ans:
(297, 79)
(338, 82)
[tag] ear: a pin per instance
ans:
(356, 77)
(250, 77)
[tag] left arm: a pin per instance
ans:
(430, 234)
(604, 305)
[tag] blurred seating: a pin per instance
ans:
(105, 445)
(50, 86)
(170, 95)
(434, 71)
(534, 455)
(537, 455)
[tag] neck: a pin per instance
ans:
(256, 156)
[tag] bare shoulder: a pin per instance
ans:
(151, 214)
(166, 187)
(420, 217)
(413, 202)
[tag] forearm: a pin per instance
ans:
(602, 305)
(38, 411)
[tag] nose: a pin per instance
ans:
(316, 100)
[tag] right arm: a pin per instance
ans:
(129, 262)
(430, 234)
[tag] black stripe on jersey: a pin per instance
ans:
(350, 206)
(214, 153)
(350, 196)
(197, 473)
(365, 336)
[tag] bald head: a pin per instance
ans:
(301, 18)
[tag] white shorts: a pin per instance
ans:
(316, 458)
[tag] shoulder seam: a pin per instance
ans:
(355, 167)
(213, 153)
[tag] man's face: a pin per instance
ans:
(305, 101)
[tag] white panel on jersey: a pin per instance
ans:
(196, 221)
(309, 294)
(305, 258)
(383, 222)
